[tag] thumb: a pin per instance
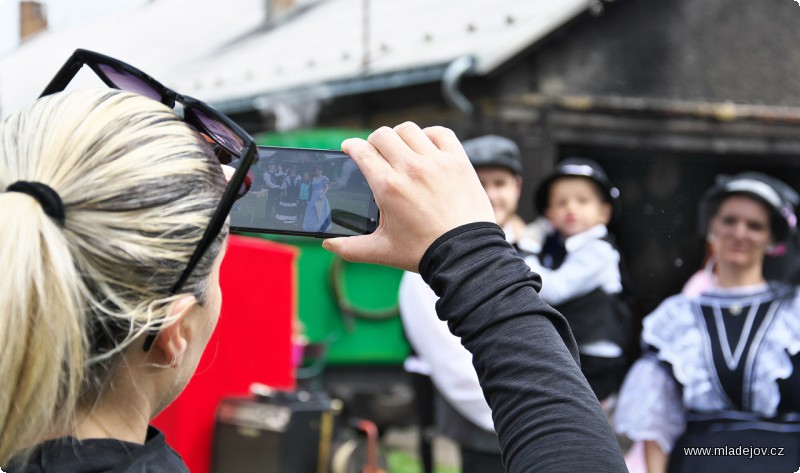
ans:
(358, 249)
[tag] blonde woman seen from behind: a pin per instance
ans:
(104, 196)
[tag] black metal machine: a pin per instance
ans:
(275, 432)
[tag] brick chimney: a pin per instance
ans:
(32, 19)
(276, 9)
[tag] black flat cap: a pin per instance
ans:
(494, 150)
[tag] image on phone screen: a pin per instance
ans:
(308, 192)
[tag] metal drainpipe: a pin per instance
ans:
(450, 80)
(269, 12)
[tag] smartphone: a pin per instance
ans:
(308, 192)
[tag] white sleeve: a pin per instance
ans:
(595, 264)
(450, 364)
(650, 405)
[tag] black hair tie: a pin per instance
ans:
(47, 197)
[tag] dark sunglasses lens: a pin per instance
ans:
(225, 157)
(230, 145)
(125, 81)
(219, 132)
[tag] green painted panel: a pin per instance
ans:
(369, 288)
(320, 138)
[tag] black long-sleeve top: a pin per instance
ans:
(69, 455)
(545, 415)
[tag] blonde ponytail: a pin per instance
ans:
(41, 328)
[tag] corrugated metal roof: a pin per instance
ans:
(219, 55)
(326, 45)
(161, 37)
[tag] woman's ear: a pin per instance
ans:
(172, 340)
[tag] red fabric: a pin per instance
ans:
(252, 343)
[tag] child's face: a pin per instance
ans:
(575, 206)
(503, 189)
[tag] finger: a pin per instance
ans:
(228, 171)
(415, 138)
(444, 139)
(358, 249)
(371, 163)
(390, 146)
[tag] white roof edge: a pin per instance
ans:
(569, 10)
(321, 49)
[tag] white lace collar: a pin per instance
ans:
(676, 329)
(576, 241)
(739, 291)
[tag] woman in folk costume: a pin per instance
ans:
(720, 369)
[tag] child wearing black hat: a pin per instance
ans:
(583, 280)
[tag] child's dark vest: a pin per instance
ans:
(597, 315)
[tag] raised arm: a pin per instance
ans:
(432, 204)
(545, 414)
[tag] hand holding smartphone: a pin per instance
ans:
(425, 186)
(307, 192)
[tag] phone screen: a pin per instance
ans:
(309, 192)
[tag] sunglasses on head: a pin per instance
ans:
(234, 146)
